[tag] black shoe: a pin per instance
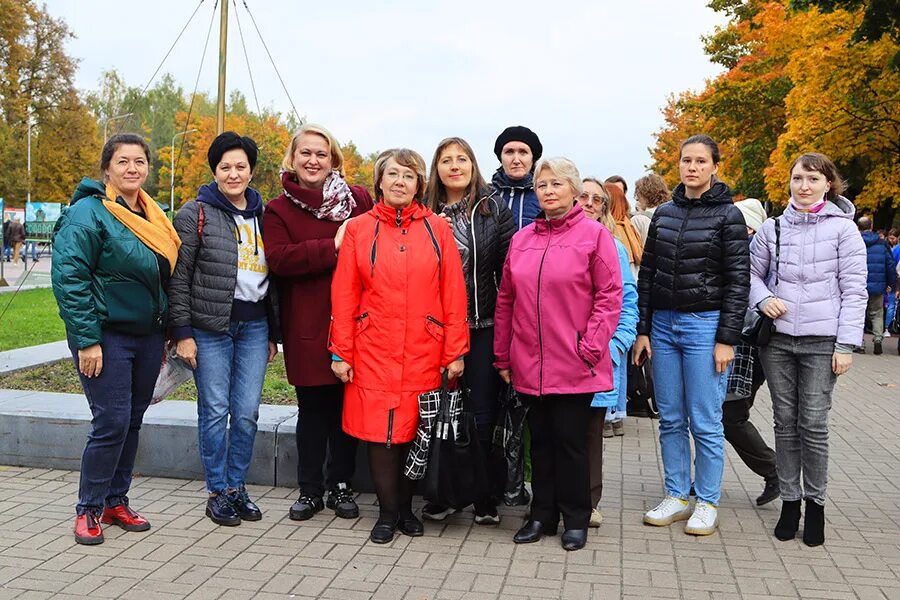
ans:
(220, 510)
(243, 506)
(521, 498)
(770, 492)
(532, 531)
(878, 349)
(383, 532)
(814, 523)
(436, 512)
(789, 522)
(574, 539)
(342, 502)
(305, 507)
(409, 525)
(860, 350)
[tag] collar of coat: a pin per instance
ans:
(399, 217)
(544, 225)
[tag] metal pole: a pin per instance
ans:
(223, 47)
(29, 155)
(172, 186)
(108, 119)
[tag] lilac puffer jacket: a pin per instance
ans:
(821, 275)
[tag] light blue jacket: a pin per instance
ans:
(623, 338)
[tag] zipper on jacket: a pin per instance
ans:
(399, 217)
(475, 261)
(433, 320)
(390, 426)
(362, 316)
(540, 335)
(578, 352)
(159, 292)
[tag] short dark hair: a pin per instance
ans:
(702, 138)
(229, 140)
(618, 179)
(864, 223)
(121, 139)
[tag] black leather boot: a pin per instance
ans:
(814, 523)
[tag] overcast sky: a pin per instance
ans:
(589, 77)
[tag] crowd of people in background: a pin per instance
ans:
(542, 283)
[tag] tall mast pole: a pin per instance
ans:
(223, 47)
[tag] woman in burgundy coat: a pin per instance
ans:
(304, 230)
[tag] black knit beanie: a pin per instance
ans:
(518, 133)
(229, 140)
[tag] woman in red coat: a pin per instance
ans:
(399, 320)
(304, 230)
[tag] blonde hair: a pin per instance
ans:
(605, 217)
(563, 168)
(337, 157)
(405, 158)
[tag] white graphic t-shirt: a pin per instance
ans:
(253, 272)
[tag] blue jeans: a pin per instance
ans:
(118, 398)
(229, 376)
(689, 394)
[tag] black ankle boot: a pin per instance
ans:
(789, 523)
(814, 524)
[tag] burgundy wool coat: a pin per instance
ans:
(300, 252)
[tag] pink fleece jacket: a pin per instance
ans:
(558, 306)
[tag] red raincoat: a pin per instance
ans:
(399, 314)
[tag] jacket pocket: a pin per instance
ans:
(586, 362)
(434, 327)
(130, 307)
(362, 322)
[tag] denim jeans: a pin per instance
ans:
(118, 398)
(801, 381)
(875, 314)
(689, 395)
(229, 375)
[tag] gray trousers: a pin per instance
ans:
(801, 382)
(875, 313)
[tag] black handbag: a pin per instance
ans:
(758, 328)
(507, 458)
(894, 325)
(456, 475)
(640, 391)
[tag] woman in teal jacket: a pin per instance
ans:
(113, 253)
(595, 202)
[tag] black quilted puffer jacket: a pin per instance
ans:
(483, 249)
(696, 259)
(201, 290)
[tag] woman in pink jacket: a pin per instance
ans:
(557, 308)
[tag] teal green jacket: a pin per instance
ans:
(103, 276)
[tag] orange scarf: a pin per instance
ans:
(625, 231)
(156, 232)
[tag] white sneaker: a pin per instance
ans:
(596, 518)
(704, 521)
(668, 511)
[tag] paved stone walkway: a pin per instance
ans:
(186, 556)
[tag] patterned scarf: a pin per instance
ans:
(337, 199)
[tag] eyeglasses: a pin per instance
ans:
(594, 198)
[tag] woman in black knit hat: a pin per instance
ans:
(517, 148)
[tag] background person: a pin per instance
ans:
(482, 227)
(399, 321)
(818, 306)
(115, 252)
(16, 233)
(881, 280)
(625, 231)
(650, 191)
(517, 148)
(595, 203)
(304, 231)
(224, 317)
(744, 380)
(693, 291)
(557, 309)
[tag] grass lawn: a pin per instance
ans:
(61, 377)
(31, 319)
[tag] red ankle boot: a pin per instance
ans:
(125, 518)
(88, 530)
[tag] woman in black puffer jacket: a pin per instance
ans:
(693, 289)
(482, 227)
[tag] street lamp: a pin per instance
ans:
(172, 186)
(108, 119)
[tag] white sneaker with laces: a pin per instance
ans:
(596, 518)
(704, 521)
(668, 511)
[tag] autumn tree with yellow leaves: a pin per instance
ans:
(798, 78)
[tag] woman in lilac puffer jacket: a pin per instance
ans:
(813, 284)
